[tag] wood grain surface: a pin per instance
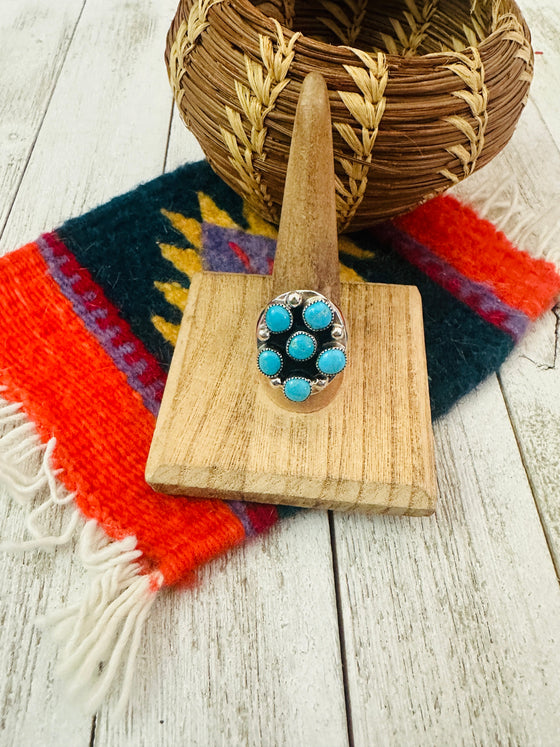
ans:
(333, 630)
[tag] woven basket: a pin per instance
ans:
(422, 92)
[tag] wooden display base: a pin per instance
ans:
(219, 434)
(363, 442)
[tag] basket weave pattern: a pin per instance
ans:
(422, 92)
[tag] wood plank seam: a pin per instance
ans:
(523, 458)
(341, 635)
(40, 125)
(166, 155)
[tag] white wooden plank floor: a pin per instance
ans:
(333, 630)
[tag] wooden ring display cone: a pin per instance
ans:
(363, 443)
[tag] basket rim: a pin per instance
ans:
(340, 49)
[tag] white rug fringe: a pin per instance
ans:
(101, 634)
(20, 443)
(535, 232)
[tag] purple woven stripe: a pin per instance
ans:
(240, 510)
(119, 352)
(477, 296)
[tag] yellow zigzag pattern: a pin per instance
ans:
(188, 261)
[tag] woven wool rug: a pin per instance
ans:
(90, 315)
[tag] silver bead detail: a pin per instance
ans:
(337, 332)
(263, 333)
(294, 299)
(319, 384)
(276, 381)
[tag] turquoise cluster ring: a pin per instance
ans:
(301, 343)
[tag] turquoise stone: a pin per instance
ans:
(301, 346)
(270, 362)
(297, 389)
(318, 315)
(278, 318)
(331, 361)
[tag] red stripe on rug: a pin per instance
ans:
(71, 389)
(478, 250)
(243, 256)
(261, 516)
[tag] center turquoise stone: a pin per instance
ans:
(301, 346)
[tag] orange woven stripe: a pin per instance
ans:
(72, 390)
(476, 249)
